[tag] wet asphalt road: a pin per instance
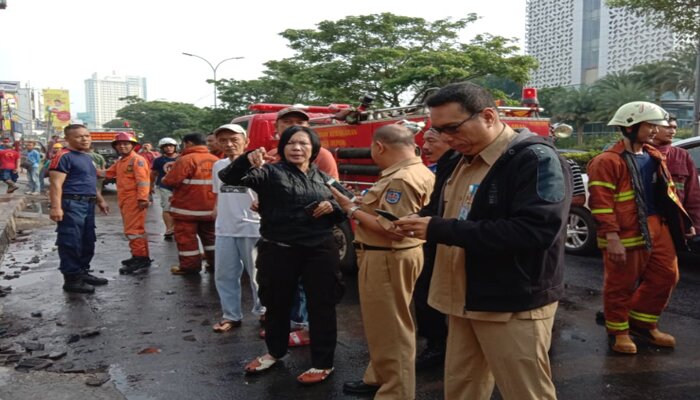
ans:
(171, 316)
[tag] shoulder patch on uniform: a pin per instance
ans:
(392, 196)
(140, 163)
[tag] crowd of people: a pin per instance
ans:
(476, 242)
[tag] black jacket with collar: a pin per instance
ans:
(514, 234)
(283, 193)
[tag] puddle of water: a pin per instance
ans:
(121, 382)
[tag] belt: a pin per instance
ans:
(77, 197)
(366, 247)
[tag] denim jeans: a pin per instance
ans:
(76, 236)
(33, 174)
(232, 255)
(300, 315)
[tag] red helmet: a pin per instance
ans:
(126, 137)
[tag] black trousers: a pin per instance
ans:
(279, 271)
(430, 322)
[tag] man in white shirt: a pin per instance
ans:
(237, 231)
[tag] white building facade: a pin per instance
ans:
(580, 41)
(102, 96)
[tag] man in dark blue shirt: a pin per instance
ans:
(73, 194)
(160, 166)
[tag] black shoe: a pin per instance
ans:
(77, 285)
(431, 357)
(128, 261)
(359, 387)
(94, 280)
(168, 235)
(600, 318)
(136, 265)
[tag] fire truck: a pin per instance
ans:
(102, 144)
(347, 133)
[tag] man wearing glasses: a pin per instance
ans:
(500, 231)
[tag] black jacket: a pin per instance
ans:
(283, 193)
(515, 232)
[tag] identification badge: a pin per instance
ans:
(466, 207)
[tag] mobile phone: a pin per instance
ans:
(386, 214)
(342, 189)
(309, 208)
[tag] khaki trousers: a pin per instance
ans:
(386, 280)
(513, 354)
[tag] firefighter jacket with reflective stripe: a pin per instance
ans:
(133, 177)
(190, 178)
(613, 203)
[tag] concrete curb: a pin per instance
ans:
(9, 207)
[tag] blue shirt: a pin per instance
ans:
(157, 166)
(35, 157)
(81, 174)
(647, 167)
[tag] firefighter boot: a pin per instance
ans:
(136, 265)
(75, 284)
(128, 260)
(654, 336)
(94, 280)
(623, 344)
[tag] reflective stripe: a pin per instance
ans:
(680, 185)
(624, 196)
(629, 242)
(617, 326)
(209, 248)
(189, 253)
(191, 212)
(603, 184)
(197, 181)
(143, 184)
(601, 211)
(132, 237)
(644, 317)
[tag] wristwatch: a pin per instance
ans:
(352, 210)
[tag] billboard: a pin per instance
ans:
(56, 108)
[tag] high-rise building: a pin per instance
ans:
(102, 95)
(580, 41)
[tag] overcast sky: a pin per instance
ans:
(59, 44)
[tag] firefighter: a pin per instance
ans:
(192, 204)
(639, 216)
(133, 186)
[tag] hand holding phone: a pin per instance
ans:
(386, 214)
(309, 208)
(342, 189)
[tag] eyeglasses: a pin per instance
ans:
(452, 129)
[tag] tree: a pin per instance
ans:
(659, 76)
(617, 89)
(395, 58)
(576, 105)
(157, 119)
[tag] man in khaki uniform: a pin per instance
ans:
(500, 230)
(389, 264)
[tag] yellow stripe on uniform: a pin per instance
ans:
(601, 210)
(617, 326)
(644, 317)
(624, 196)
(603, 184)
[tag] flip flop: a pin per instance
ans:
(259, 364)
(314, 375)
(299, 338)
(226, 325)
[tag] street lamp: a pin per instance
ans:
(213, 68)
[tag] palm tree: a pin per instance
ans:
(576, 105)
(660, 76)
(615, 90)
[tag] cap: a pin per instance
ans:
(292, 110)
(235, 128)
(57, 146)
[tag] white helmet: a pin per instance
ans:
(639, 111)
(165, 141)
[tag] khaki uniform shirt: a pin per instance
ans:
(402, 189)
(448, 287)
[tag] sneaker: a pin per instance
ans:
(77, 285)
(138, 264)
(94, 280)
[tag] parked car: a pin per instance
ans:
(580, 229)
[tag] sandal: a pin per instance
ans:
(260, 364)
(226, 325)
(314, 375)
(299, 338)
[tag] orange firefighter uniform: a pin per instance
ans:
(637, 292)
(192, 206)
(133, 184)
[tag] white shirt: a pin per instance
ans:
(233, 214)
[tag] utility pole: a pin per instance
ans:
(213, 68)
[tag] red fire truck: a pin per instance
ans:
(350, 141)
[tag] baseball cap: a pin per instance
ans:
(231, 127)
(292, 110)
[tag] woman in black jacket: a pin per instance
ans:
(297, 213)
